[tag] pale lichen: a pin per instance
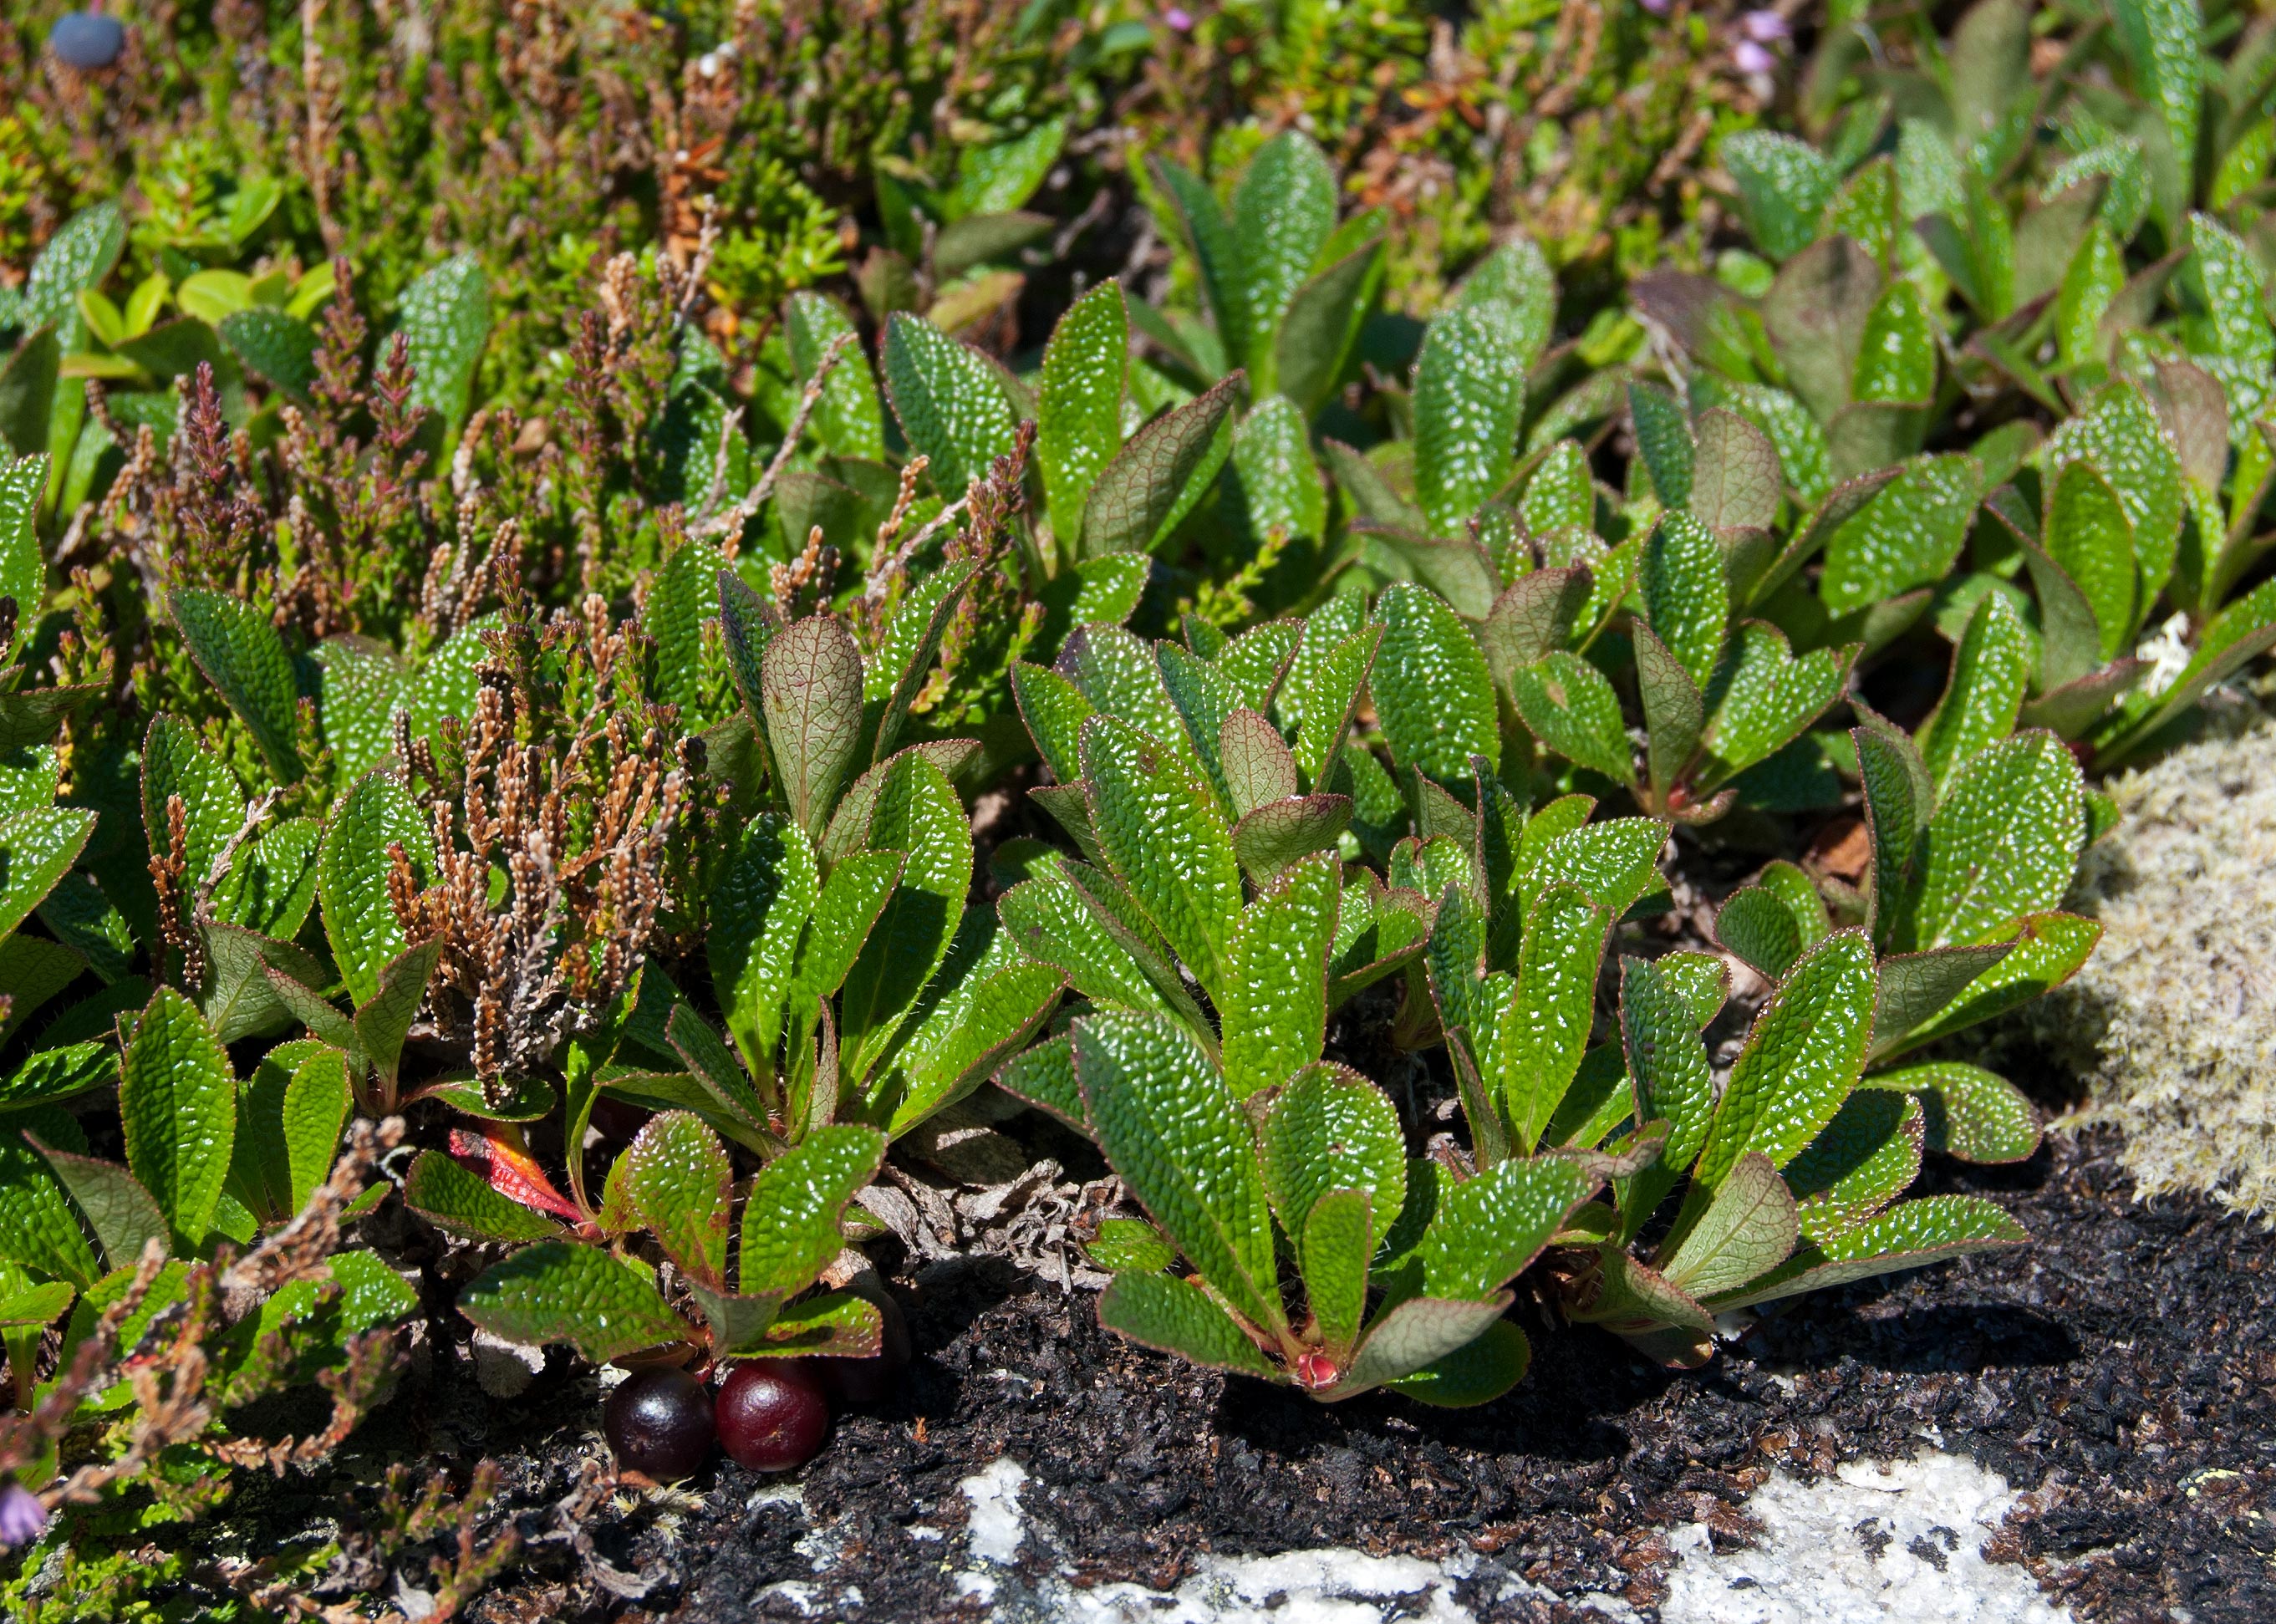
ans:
(2171, 1023)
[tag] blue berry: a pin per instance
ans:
(86, 39)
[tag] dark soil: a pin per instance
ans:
(2122, 1370)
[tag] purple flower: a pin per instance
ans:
(1765, 28)
(1180, 18)
(1658, 8)
(22, 1518)
(1750, 57)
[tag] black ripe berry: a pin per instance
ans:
(772, 1415)
(659, 1422)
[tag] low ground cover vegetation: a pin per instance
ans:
(619, 624)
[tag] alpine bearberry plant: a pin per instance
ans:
(551, 579)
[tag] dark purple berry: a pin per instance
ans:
(772, 1415)
(86, 39)
(659, 1422)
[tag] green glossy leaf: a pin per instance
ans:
(352, 863)
(1747, 1229)
(1328, 693)
(1166, 1121)
(1907, 1235)
(76, 258)
(1672, 1083)
(446, 684)
(1334, 1245)
(274, 346)
(1991, 670)
(1256, 763)
(686, 595)
(1663, 436)
(758, 910)
(970, 1028)
(1736, 478)
(1898, 799)
(1760, 929)
(950, 401)
(1133, 1245)
(791, 1221)
(445, 313)
(2048, 949)
(272, 883)
(1209, 237)
(917, 813)
(1433, 694)
(1562, 493)
(678, 1178)
(1673, 712)
(1177, 1316)
(1331, 1129)
(1897, 359)
(38, 1229)
(242, 657)
(1541, 1039)
(1058, 923)
(713, 1065)
(847, 418)
(2005, 842)
(49, 1076)
(311, 1114)
(1079, 402)
(1053, 710)
(1324, 319)
(1273, 471)
(1907, 534)
(2162, 42)
(358, 689)
(1801, 1057)
(37, 847)
(177, 1107)
(1160, 830)
(27, 405)
(2088, 534)
(1283, 213)
(1784, 186)
(1045, 1076)
(1972, 1114)
(559, 1291)
(1866, 1158)
(1488, 1229)
(1479, 1372)
(120, 1212)
(1469, 392)
(1616, 861)
(1570, 707)
(1273, 999)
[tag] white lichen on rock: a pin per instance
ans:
(2171, 1023)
